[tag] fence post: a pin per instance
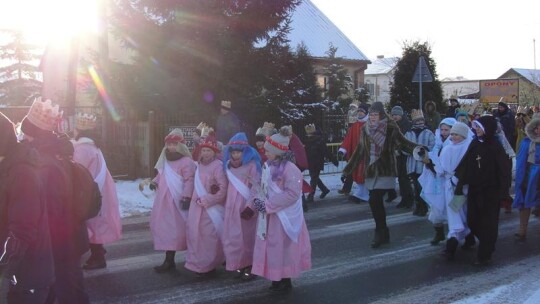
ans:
(151, 142)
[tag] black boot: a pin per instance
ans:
(451, 246)
(469, 242)
(281, 286)
(168, 264)
(439, 235)
(420, 209)
(382, 236)
(97, 257)
(392, 195)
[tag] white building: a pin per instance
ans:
(379, 77)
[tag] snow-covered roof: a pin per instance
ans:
(381, 66)
(531, 74)
(311, 26)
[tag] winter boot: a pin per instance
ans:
(451, 246)
(439, 235)
(470, 241)
(524, 215)
(324, 193)
(168, 264)
(97, 258)
(392, 195)
(382, 236)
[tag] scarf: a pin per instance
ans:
(377, 134)
(172, 156)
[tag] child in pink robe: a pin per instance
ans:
(206, 211)
(174, 188)
(282, 246)
(243, 168)
(106, 227)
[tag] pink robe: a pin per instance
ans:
(205, 250)
(106, 227)
(239, 234)
(167, 224)
(277, 256)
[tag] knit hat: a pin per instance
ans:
(238, 142)
(354, 104)
(278, 143)
(43, 117)
(379, 108)
(460, 128)
(397, 110)
(8, 139)
(176, 135)
(462, 113)
(85, 121)
(268, 129)
(363, 107)
(416, 114)
(209, 142)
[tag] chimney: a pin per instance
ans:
(380, 56)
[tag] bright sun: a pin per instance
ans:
(49, 21)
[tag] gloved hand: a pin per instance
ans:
(214, 189)
(247, 213)
(336, 163)
(184, 203)
(153, 186)
(259, 205)
(343, 179)
(457, 202)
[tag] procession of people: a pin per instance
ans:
(228, 202)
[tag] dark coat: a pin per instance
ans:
(508, 122)
(227, 125)
(69, 235)
(317, 152)
(432, 117)
(24, 220)
(386, 164)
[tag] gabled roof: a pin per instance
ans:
(530, 74)
(381, 66)
(311, 26)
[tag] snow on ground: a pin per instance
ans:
(136, 203)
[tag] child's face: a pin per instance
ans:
(171, 146)
(456, 138)
(445, 130)
(207, 154)
(236, 155)
(259, 144)
(270, 155)
(478, 130)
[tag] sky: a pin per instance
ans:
(475, 39)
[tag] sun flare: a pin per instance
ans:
(51, 21)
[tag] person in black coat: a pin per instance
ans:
(508, 121)
(26, 258)
(452, 108)
(485, 169)
(317, 151)
(69, 236)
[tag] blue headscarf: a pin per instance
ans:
(239, 142)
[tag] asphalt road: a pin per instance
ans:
(345, 268)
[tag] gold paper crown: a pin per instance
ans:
(416, 114)
(226, 104)
(201, 126)
(44, 115)
(268, 129)
(522, 110)
(310, 129)
(206, 131)
(84, 121)
(268, 125)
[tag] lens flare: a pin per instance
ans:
(98, 82)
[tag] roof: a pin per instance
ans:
(531, 74)
(311, 26)
(381, 66)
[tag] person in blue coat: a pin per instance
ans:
(527, 176)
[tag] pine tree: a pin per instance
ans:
(18, 79)
(339, 83)
(405, 92)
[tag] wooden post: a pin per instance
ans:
(151, 140)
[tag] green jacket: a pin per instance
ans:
(386, 164)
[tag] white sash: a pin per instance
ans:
(101, 176)
(262, 223)
(238, 185)
(291, 217)
(216, 212)
(175, 184)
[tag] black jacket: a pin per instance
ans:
(68, 231)
(24, 222)
(317, 152)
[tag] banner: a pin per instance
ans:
(497, 90)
